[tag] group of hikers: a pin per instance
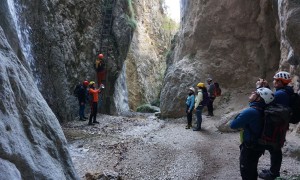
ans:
(87, 92)
(258, 133)
(204, 97)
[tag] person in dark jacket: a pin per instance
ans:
(82, 99)
(212, 97)
(282, 96)
(249, 120)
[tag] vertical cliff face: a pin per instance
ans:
(32, 144)
(66, 38)
(231, 41)
(145, 62)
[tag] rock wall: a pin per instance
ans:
(32, 144)
(145, 61)
(234, 42)
(66, 40)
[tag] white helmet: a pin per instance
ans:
(283, 76)
(192, 89)
(266, 94)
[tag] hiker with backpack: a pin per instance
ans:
(82, 95)
(249, 120)
(190, 102)
(283, 98)
(201, 101)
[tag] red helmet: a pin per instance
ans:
(85, 83)
(100, 56)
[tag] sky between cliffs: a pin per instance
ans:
(173, 9)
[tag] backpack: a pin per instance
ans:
(275, 124)
(205, 100)
(295, 108)
(217, 91)
(77, 90)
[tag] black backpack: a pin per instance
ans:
(275, 124)
(295, 108)
(77, 90)
(205, 100)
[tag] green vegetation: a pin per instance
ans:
(131, 16)
(170, 25)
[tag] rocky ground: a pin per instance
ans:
(141, 146)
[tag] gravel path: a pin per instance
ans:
(140, 146)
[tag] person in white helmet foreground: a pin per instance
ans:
(249, 120)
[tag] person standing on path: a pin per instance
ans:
(212, 97)
(250, 122)
(82, 99)
(94, 93)
(282, 97)
(190, 102)
(201, 101)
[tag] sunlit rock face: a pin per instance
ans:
(32, 144)
(145, 62)
(234, 42)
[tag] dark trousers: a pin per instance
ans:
(93, 114)
(199, 116)
(276, 160)
(249, 156)
(81, 110)
(210, 106)
(189, 116)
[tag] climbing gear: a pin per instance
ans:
(200, 85)
(92, 82)
(100, 56)
(217, 90)
(85, 83)
(283, 76)
(266, 94)
(192, 89)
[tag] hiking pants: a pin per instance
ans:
(199, 116)
(189, 116)
(249, 156)
(276, 160)
(81, 110)
(210, 107)
(93, 115)
(101, 77)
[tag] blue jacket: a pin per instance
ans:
(190, 101)
(282, 96)
(250, 121)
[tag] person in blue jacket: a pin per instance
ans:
(282, 96)
(249, 120)
(190, 102)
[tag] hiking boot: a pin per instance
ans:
(187, 126)
(91, 124)
(266, 174)
(85, 118)
(82, 119)
(197, 129)
(96, 122)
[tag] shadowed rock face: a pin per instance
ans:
(233, 42)
(32, 144)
